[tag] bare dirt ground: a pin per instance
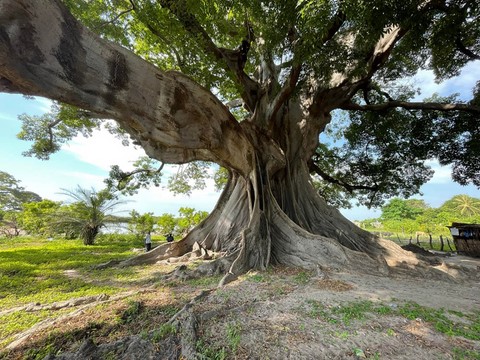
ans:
(310, 321)
(286, 314)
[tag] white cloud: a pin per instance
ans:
(102, 150)
(86, 180)
(43, 104)
(442, 175)
(462, 84)
(425, 80)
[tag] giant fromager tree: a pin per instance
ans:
(251, 85)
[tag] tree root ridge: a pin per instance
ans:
(60, 304)
(82, 304)
(180, 344)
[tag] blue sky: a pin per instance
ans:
(86, 161)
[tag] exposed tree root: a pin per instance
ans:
(180, 344)
(60, 304)
(83, 304)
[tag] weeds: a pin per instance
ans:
(463, 354)
(41, 353)
(258, 278)
(233, 335)
(317, 310)
(353, 311)
(205, 352)
(469, 328)
(302, 278)
(164, 331)
(132, 312)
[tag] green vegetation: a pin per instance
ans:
(47, 271)
(463, 354)
(407, 218)
(42, 272)
(233, 335)
(12, 198)
(205, 352)
(36, 270)
(162, 332)
(134, 309)
(87, 214)
(12, 195)
(467, 326)
(141, 224)
(303, 277)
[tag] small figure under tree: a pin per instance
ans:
(148, 242)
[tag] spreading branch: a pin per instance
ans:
(286, 91)
(464, 50)
(122, 178)
(233, 60)
(118, 16)
(349, 187)
(411, 106)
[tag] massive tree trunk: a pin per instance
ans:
(269, 211)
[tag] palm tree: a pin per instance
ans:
(467, 205)
(88, 212)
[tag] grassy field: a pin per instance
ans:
(42, 272)
(39, 270)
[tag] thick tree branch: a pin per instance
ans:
(412, 106)
(286, 91)
(343, 89)
(464, 50)
(349, 187)
(50, 127)
(233, 60)
(44, 51)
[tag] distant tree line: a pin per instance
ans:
(413, 216)
(24, 212)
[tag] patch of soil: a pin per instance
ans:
(417, 250)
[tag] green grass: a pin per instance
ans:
(33, 271)
(440, 319)
(469, 328)
(234, 335)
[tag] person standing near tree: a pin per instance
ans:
(148, 242)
